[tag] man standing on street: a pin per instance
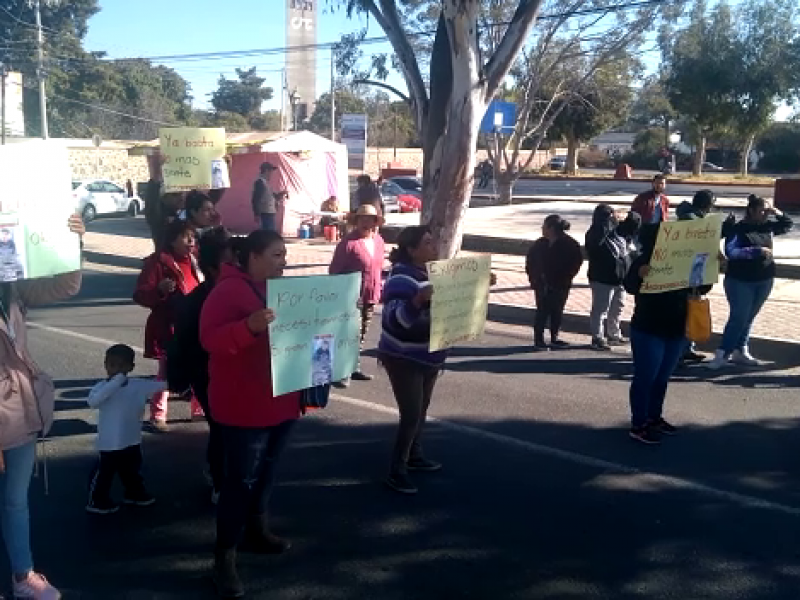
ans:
(653, 206)
(264, 203)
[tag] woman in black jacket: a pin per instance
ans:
(608, 248)
(749, 277)
(552, 263)
(658, 339)
(188, 361)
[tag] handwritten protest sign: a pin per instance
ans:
(193, 158)
(460, 299)
(34, 208)
(685, 255)
(316, 334)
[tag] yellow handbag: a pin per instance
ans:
(698, 319)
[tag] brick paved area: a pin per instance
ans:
(778, 319)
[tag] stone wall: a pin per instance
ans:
(112, 164)
(411, 158)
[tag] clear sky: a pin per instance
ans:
(129, 28)
(132, 28)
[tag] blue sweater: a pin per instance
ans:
(407, 329)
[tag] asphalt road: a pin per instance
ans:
(543, 496)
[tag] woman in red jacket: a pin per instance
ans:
(255, 424)
(167, 276)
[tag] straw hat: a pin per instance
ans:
(369, 210)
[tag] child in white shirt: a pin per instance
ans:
(121, 402)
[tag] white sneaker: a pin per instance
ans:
(35, 587)
(719, 361)
(743, 357)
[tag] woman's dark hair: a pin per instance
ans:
(174, 229)
(704, 200)
(410, 237)
(212, 245)
(122, 352)
(557, 223)
(194, 202)
(755, 203)
(255, 243)
(363, 180)
(648, 235)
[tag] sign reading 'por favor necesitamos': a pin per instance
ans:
(460, 300)
(193, 158)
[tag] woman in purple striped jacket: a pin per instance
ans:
(403, 351)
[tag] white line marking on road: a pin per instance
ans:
(80, 336)
(657, 479)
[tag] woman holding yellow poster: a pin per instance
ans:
(658, 340)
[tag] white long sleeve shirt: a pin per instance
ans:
(121, 402)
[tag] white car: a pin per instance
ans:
(95, 197)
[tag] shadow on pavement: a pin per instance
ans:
(499, 522)
(125, 226)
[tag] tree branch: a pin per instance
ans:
(498, 66)
(384, 86)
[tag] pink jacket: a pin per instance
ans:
(27, 394)
(351, 256)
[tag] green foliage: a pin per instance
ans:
(243, 95)
(780, 145)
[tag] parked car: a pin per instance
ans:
(411, 185)
(95, 197)
(390, 193)
(709, 166)
(558, 163)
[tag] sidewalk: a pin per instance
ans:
(314, 256)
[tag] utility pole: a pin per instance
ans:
(40, 70)
(3, 103)
(333, 95)
(283, 99)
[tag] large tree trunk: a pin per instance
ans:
(453, 160)
(505, 186)
(699, 156)
(573, 146)
(744, 159)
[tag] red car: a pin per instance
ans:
(409, 203)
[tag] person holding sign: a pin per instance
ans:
(658, 340)
(362, 251)
(749, 278)
(26, 413)
(404, 352)
(255, 425)
(552, 263)
(167, 277)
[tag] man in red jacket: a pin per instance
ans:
(653, 206)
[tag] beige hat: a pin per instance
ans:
(367, 210)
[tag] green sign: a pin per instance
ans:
(35, 206)
(315, 336)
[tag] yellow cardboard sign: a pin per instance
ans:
(460, 300)
(685, 255)
(193, 158)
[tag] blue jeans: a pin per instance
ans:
(268, 222)
(745, 299)
(251, 458)
(14, 504)
(654, 361)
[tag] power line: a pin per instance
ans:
(115, 112)
(204, 56)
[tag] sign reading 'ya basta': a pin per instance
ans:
(460, 300)
(193, 158)
(686, 255)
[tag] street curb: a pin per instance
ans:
(775, 350)
(112, 260)
(649, 179)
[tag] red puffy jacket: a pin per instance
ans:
(156, 268)
(240, 387)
